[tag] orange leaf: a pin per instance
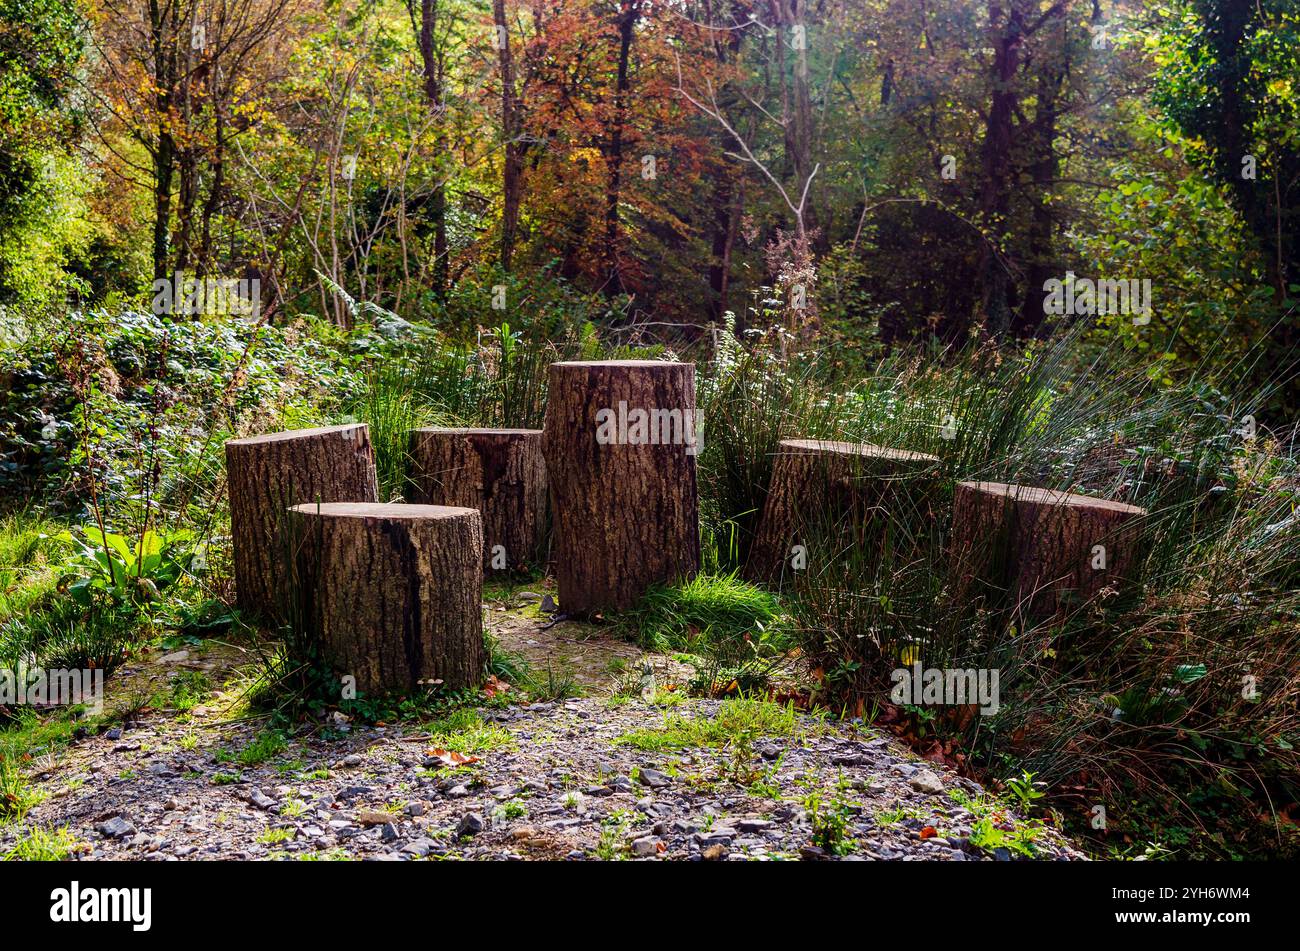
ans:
(451, 757)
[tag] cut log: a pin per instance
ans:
(620, 443)
(266, 475)
(844, 493)
(500, 472)
(393, 593)
(1045, 550)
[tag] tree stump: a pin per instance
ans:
(843, 492)
(1042, 548)
(620, 443)
(266, 475)
(500, 472)
(393, 593)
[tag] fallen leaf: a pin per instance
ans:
(451, 757)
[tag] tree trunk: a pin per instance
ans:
(620, 442)
(630, 12)
(995, 190)
(434, 91)
(393, 593)
(1044, 549)
(501, 473)
(512, 172)
(834, 494)
(269, 473)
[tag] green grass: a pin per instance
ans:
(707, 609)
(465, 731)
(738, 721)
(29, 563)
(264, 746)
(28, 734)
(1218, 589)
(43, 845)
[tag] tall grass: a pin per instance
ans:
(28, 562)
(1136, 698)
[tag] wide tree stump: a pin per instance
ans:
(836, 494)
(267, 474)
(500, 472)
(1044, 549)
(393, 593)
(620, 443)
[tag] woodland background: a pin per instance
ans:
(843, 212)
(918, 167)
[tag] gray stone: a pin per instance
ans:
(653, 778)
(645, 846)
(925, 781)
(115, 828)
(419, 848)
(471, 824)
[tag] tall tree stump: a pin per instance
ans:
(393, 593)
(844, 493)
(1042, 548)
(266, 474)
(620, 443)
(500, 472)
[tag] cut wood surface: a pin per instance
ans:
(818, 485)
(1046, 549)
(266, 474)
(623, 484)
(393, 592)
(500, 472)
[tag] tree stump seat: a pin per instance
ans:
(266, 474)
(500, 472)
(819, 484)
(392, 593)
(620, 442)
(1042, 547)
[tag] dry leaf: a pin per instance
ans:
(451, 757)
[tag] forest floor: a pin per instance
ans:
(604, 774)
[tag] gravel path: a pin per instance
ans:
(594, 777)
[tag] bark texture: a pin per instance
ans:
(838, 493)
(393, 593)
(500, 472)
(269, 473)
(1038, 546)
(626, 511)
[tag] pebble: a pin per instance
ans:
(574, 780)
(925, 781)
(471, 824)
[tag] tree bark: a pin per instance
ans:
(512, 172)
(623, 493)
(435, 92)
(500, 472)
(995, 192)
(1044, 549)
(850, 490)
(393, 593)
(269, 473)
(629, 13)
